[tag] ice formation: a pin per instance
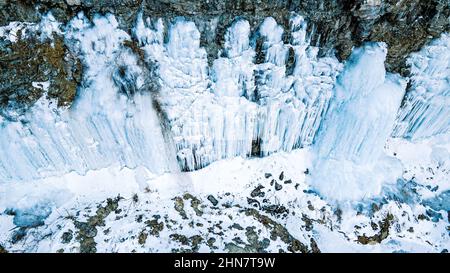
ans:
(104, 127)
(240, 108)
(165, 109)
(426, 109)
(350, 163)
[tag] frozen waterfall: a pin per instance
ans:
(239, 108)
(150, 99)
(102, 128)
(361, 117)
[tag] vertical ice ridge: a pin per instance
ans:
(426, 108)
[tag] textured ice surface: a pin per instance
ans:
(350, 162)
(196, 116)
(426, 109)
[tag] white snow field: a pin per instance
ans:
(341, 157)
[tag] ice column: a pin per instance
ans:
(350, 163)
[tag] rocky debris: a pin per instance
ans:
(30, 68)
(3, 250)
(267, 175)
(314, 247)
(193, 242)
(383, 233)
(142, 238)
(179, 207)
(155, 226)
(254, 245)
(275, 210)
(211, 242)
(213, 200)
(250, 230)
(278, 186)
(258, 248)
(180, 238)
(338, 213)
(374, 225)
(423, 217)
(237, 226)
(308, 222)
(18, 235)
(196, 240)
(86, 231)
(67, 237)
(281, 177)
(195, 203)
(278, 231)
(253, 202)
(257, 192)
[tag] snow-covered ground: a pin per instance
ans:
(260, 204)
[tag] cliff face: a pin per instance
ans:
(404, 25)
(35, 65)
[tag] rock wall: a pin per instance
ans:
(404, 25)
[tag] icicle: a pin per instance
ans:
(426, 109)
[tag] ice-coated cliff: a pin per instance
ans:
(102, 128)
(151, 99)
(426, 109)
(315, 125)
(167, 107)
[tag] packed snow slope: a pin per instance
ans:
(235, 205)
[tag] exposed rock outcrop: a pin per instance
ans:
(404, 25)
(31, 67)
